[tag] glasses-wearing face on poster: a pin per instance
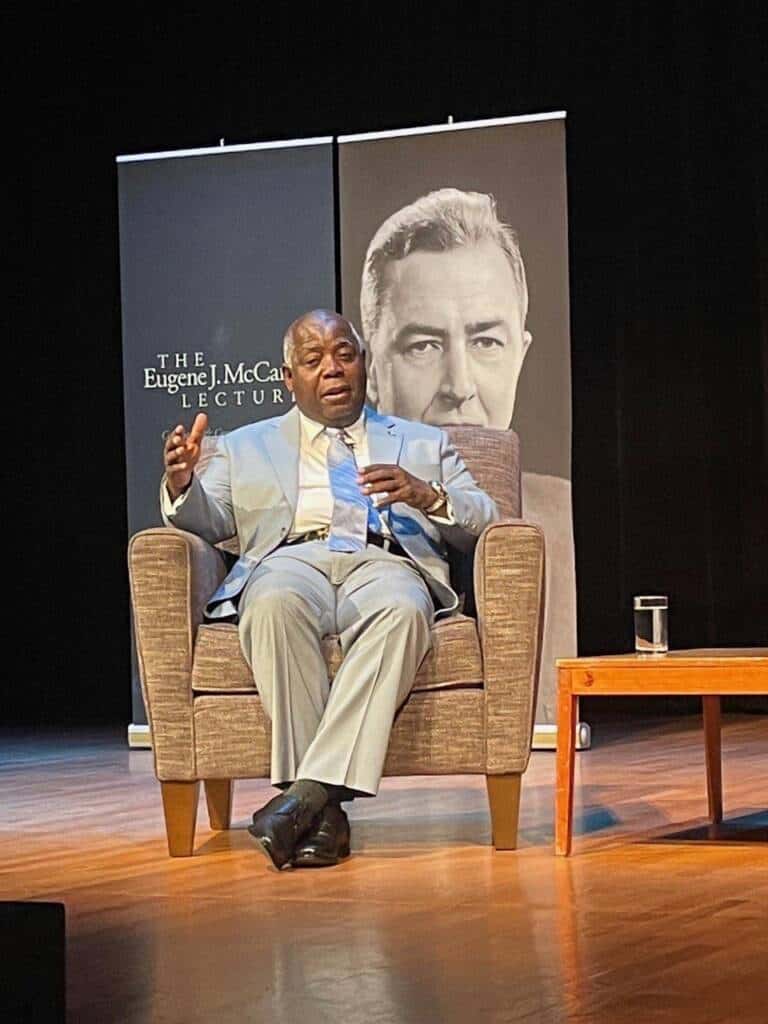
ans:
(443, 306)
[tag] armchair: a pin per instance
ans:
(471, 710)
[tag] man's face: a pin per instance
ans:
(328, 372)
(450, 342)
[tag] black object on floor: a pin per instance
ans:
(32, 966)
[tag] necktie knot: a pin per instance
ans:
(339, 434)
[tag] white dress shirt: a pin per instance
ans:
(314, 504)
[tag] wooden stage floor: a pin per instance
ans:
(649, 920)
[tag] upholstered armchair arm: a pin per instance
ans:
(173, 574)
(509, 593)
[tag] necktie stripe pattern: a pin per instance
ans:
(353, 513)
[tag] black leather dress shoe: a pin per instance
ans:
(326, 843)
(280, 824)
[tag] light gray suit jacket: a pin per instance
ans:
(250, 487)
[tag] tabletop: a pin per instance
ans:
(697, 657)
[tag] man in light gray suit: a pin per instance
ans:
(342, 517)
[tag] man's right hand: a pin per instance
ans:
(182, 454)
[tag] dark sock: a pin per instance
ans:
(314, 794)
(338, 794)
(334, 794)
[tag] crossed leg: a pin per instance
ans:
(383, 613)
(382, 609)
(286, 608)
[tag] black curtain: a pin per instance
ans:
(668, 238)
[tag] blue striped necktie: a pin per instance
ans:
(353, 513)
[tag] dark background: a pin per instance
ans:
(668, 244)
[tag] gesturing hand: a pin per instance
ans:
(181, 455)
(396, 484)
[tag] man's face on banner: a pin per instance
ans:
(450, 342)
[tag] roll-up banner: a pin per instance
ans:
(454, 260)
(220, 249)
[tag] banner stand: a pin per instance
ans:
(206, 297)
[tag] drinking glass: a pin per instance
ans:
(651, 624)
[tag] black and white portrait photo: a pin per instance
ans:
(443, 304)
(454, 311)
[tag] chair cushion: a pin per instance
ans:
(455, 659)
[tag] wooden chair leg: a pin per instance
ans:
(504, 801)
(218, 796)
(713, 757)
(180, 808)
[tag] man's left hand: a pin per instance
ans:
(393, 483)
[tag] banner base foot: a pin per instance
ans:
(139, 737)
(545, 737)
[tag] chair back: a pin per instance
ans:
(493, 458)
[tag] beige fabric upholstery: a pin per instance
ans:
(434, 734)
(472, 707)
(509, 570)
(172, 576)
(455, 660)
(493, 459)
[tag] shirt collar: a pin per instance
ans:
(311, 429)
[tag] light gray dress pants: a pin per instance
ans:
(382, 610)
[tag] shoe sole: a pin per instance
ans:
(265, 846)
(313, 861)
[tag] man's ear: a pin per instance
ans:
(527, 339)
(288, 378)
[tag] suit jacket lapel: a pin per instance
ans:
(384, 444)
(283, 445)
(384, 439)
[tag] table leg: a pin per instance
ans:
(567, 711)
(712, 754)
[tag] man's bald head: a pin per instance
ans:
(310, 324)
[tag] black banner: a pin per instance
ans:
(219, 251)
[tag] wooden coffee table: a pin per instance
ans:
(709, 673)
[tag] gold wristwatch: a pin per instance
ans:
(442, 497)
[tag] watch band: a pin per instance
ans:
(442, 496)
